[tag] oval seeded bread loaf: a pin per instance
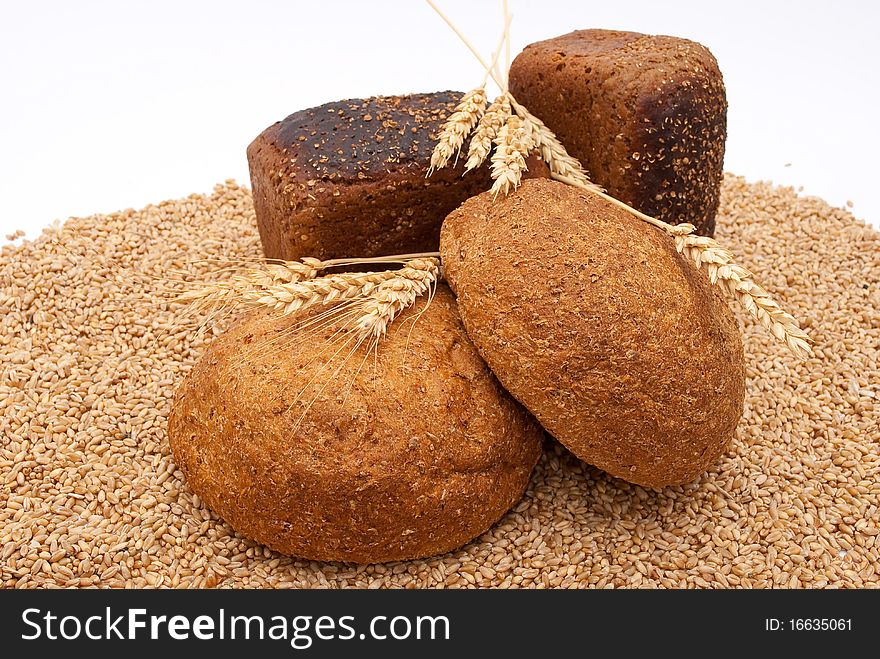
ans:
(407, 453)
(348, 179)
(588, 316)
(646, 115)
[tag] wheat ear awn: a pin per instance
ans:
(552, 151)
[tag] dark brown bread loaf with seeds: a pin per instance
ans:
(646, 115)
(349, 178)
(407, 453)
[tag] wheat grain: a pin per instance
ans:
(89, 486)
(459, 125)
(487, 129)
(508, 160)
(739, 284)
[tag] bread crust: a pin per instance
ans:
(409, 456)
(349, 178)
(646, 115)
(589, 317)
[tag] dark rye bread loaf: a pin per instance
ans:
(646, 115)
(349, 178)
(409, 452)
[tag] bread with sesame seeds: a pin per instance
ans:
(349, 178)
(646, 115)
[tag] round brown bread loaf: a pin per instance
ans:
(590, 318)
(646, 115)
(349, 178)
(406, 454)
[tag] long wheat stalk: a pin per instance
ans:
(681, 229)
(476, 53)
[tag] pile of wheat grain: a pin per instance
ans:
(90, 355)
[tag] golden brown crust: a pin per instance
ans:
(348, 179)
(413, 455)
(646, 115)
(589, 317)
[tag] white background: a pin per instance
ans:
(108, 105)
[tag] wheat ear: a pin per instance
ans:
(508, 161)
(739, 284)
(290, 286)
(291, 297)
(487, 129)
(459, 125)
(391, 297)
